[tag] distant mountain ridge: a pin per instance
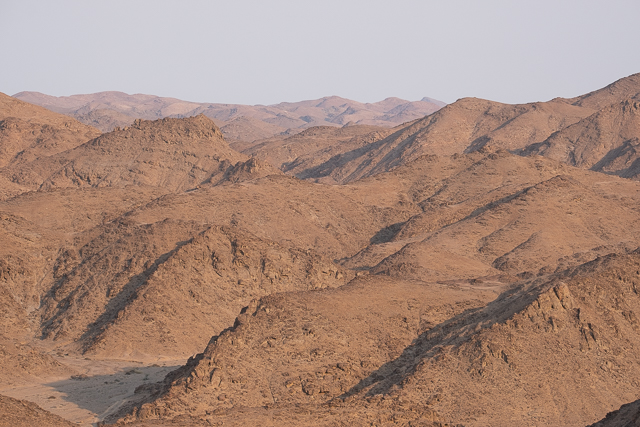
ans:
(108, 110)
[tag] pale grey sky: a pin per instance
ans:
(264, 52)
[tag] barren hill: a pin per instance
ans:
(248, 129)
(109, 275)
(484, 366)
(108, 301)
(304, 348)
(138, 106)
(470, 124)
(510, 221)
(521, 232)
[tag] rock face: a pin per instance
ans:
(305, 348)
(604, 138)
(29, 132)
(248, 129)
(311, 147)
(251, 169)
(573, 326)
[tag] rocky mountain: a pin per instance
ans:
(572, 326)
(470, 124)
(466, 125)
(172, 306)
(519, 219)
(305, 348)
(107, 110)
(246, 129)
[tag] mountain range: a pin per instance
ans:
(108, 110)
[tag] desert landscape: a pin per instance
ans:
(320, 263)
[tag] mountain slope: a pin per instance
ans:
(470, 124)
(443, 280)
(479, 367)
(618, 91)
(189, 261)
(112, 304)
(28, 132)
(311, 144)
(249, 129)
(606, 141)
(491, 214)
(467, 125)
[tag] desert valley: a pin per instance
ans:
(320, 263)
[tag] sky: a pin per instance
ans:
(269, 51)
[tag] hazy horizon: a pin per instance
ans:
(250, 52)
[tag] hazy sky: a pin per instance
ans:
(264, 52)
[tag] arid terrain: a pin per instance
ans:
(320, 263)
